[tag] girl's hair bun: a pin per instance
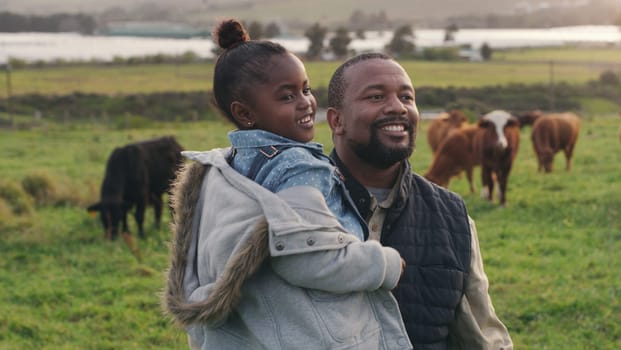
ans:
(230, 33)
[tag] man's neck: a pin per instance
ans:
(369, 175)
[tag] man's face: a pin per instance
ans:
(378, 116)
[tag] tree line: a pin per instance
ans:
(56, 23)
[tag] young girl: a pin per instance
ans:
(268, 250)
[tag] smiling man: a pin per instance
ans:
(443, 294)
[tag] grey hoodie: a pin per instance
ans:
(251, 269)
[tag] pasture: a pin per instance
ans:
(573, 65)
(552, 255)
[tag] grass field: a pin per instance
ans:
(552, 255)
(572, 65)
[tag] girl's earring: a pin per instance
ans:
(250, 123)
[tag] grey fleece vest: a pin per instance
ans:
(430, 228)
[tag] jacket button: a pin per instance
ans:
(310, 241)
(341, 239)
(402, 341)
(280, 245)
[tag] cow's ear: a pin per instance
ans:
(241, 114)
(513, 121)
(483, 123)
(93, 209)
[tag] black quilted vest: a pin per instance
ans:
(429, 226)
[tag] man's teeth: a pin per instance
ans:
(305, 120)
(393, 127)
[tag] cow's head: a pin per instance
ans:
(111, 213)
(456, 117)
(495, 123)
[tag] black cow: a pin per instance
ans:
(136, 174)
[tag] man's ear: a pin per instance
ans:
(241, 114)
(335, 120)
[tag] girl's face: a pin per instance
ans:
(284, 105)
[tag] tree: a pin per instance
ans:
(339, 42)
(272, 30)
(316, 35)
(402, 42)
(255, 30)
(486, 52)
(449, 32)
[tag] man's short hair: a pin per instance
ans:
(336, 88)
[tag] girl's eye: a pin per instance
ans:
(307, 90)
(289, 97)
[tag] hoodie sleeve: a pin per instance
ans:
(351, 267)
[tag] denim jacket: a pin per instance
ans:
(278, 163)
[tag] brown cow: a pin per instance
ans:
(495, 146)
(454, 155)
(443, 125)
(552, 133)
(475, 145)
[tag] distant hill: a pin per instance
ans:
(422, 13)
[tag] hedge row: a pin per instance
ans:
(190, 106)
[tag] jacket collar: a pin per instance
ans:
(362, 197)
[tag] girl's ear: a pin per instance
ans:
(241, 114)
(335, 120)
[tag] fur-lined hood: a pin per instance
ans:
(252, 246)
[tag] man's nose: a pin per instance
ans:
(394, 105)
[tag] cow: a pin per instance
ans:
(453, 156)
(529, 117)
(495, 146)
(553, 133)
(479, 145)
(137, 174)
(443, 125)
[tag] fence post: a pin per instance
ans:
(9, 93)
(552, 92)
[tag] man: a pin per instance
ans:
(443, 294)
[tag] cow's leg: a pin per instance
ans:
(488, 183)
(139, 216)
(469, 176)
(502, 176)
(569, 150)
(157, 208)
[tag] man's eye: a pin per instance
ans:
(375, 97)
(407, 97)
(307, 91)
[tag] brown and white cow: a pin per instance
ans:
(477, 145)
(553, 133)
(495, 146)
(441, 126)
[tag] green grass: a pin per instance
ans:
(588, 55)
(552, 255)
(575, 65)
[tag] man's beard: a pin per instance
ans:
(380, 155)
